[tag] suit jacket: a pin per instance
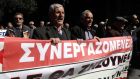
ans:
(79, 32)
(51, 32)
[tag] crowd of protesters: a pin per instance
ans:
(56, 30)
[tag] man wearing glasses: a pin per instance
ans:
(19, 30)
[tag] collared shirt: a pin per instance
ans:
(88, 35)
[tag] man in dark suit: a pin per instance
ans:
(85, 29)
(55, 31)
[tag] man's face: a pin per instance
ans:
(19, 20)
(10, 25)
(31, 24)
(135, 19)
(88, 19)
(42, 23)
(119, 25)
(58, 16)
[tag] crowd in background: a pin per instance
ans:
(56, 29)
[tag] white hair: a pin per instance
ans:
(84, 13)
(53, 7)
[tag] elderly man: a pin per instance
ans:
(85, 30)
(55, 31)
(19, 29)
(118, 27)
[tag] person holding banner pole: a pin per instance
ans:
(56, 30)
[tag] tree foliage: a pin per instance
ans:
(11, 6)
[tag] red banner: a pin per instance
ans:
(29, 53)
(1, 49)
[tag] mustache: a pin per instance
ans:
(59, 18)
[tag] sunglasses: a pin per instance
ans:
(17, 18)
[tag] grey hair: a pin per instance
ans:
(84, 13)
(53, 7)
